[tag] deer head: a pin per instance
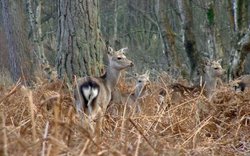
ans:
(118, 60)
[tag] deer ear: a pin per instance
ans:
(207, 61)
(124, 50)
(219, 61)
(110, 50)
(147, 72)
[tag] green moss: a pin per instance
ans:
(210, 16)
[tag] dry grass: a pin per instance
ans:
(5, 79)
(42, 121)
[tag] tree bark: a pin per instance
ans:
(19, 57)
(36, 30)
(242, 11)
(79, 42)
(189, 37)
(163, 34)
(230, 12)
(14, 62)
(241, 39)
(115, 39)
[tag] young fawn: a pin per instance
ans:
(93, 94)
(212, 73)
(131, 99)
(142, 81)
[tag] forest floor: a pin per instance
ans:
(42, 121)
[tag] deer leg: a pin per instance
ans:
(90, 112)
(79, 109)
(100, 115)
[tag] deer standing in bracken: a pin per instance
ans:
(212, 73)
(139, 90)
(242, 83)
(93, 94)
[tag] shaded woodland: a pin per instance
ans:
(45, 45)
(173, 36)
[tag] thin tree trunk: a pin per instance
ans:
(235, 9)
(230, 12)
(115, 23)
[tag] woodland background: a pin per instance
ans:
(162, 35)
(41, 39)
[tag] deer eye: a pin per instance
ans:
(139, 81)
(119, 58)
(216, 68)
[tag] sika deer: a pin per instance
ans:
(93, 94)
(242, 83)
(212, 72)
(139, 90)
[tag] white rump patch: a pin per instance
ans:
(90, 93)
(94, 92)
(87, 92)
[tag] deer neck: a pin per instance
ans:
(138, 91)
(210, 82)
(111, 77)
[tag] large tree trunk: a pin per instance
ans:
(241, 10)
(189, 37)
(36, 30)
(79, 43)
(162, 22)
(215, 48)
(241, 40)
(242, 14)
(19, 58)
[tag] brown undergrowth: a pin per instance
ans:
(42, 121)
